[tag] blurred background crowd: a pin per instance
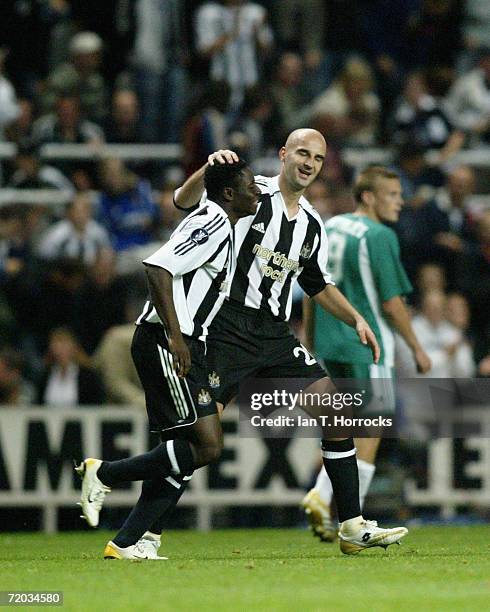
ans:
(404, 82)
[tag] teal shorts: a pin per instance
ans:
(376, 381)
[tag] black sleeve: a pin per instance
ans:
(188, 209)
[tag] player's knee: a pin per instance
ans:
(209, 453)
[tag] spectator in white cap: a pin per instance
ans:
(81, 77)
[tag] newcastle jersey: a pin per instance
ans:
(271, 252)
(196, 255)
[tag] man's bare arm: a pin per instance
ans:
(397, 314)
(333, 301)
(309, 322)
(161, 292)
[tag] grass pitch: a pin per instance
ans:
(436, 568)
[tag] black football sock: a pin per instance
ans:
(339, 459)
(171, 458)
(157, 496)
(163, 520)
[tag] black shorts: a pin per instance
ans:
(171, 401)
(248, 343)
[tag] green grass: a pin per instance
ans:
(437, 568)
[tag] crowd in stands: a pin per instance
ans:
(410, 76)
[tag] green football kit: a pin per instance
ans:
(364, 261)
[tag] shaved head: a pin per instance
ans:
(305, 135)
(302, 159)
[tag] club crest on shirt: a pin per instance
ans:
(199, 236)
(305, 251)
(204, 397)
(214, 381)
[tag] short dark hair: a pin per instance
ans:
(219, 176)
(366, 181)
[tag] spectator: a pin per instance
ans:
(123, 124)
(78, 236)
(66, 125)
(454, 201)
(254, 131)
(386, 47)
(418, 179)
(235, 37)
(475, 32)
(160, 57)
(13, 246)
(472, 275)
(468, 102)
(20, 130)
(79, 77)
(126, 207)
(458, 312)
(419, 120)
(419, 223)
(433, 33)
(440, 229)
(67, 380)
(101, 302)
(445, 344)
(300, 25)
(288, 92)
(29, 173)
(27, 29)
(347, 113)
(430, 277)
(9, 108)
(19, 273)
(170, 216)
(14, 389)
(205, 130)
(54, 293)
(115, 365)
(113, 21)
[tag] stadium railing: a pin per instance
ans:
(83, 152)
(38, 447)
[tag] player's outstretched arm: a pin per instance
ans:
(332, 300)
(397, 314)
(191, 191)
(308, 322)
(160, 282)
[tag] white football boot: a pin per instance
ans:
(151, 543)
(318, 516)
(93, 490)
(367, 534)
(145, 549)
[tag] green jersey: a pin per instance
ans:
(364, 261)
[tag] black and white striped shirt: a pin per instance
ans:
(273, 251)
(63, 240)
(196, 255)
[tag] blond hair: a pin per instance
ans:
(366, 181)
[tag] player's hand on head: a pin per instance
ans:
(223, 156)
(366, 336)
(181, 356)
(422, 361)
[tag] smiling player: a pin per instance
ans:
(286, 242)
